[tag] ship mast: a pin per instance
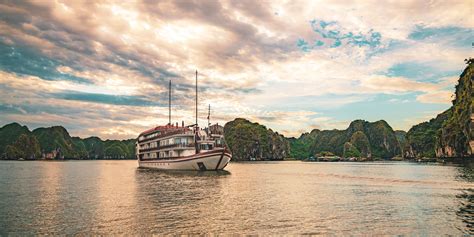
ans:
(209, 117)
(196, 98)
(169, 104)
(196, 133)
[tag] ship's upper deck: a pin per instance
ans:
(163, 131)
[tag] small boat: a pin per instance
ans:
(329, 158)
(174, 147)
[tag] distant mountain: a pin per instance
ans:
(421, 138)
(56, 143)
(451, 133)
(10, 133)
(360, 139)
(249, 141)
(56, 137)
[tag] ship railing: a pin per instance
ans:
(166, 134)
(177, 145)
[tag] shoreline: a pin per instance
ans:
(430, 161)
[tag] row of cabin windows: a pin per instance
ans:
(166, 154)
(183, 141)
(166, 142)
(177, 140)
(163, 154)
(180, 140)
(149, 145)
(150, 155)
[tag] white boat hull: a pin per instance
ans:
(211, 160)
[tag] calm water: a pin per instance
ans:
(252, 198)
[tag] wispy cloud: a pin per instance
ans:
(102, 68)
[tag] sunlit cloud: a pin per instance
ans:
(103, 68)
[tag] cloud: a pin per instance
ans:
(103, 68)
(396, 85)
(440, 97)
(105, 99)
(331, 34)
(453, 35)
(425, 71)
(25, 61)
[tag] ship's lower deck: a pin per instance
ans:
(216, 159)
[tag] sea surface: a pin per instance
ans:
(291, 197)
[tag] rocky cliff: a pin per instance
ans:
(56, 137)
(249, 141)
(456, 136)
(360, 139)
(421, 138)
(451, 133)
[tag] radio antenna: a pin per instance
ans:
(196, 98)
(169, 104)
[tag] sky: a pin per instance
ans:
(102, 68)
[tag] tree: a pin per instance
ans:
(360, 141)
(114, 152)
(27, 146)
(11, 152)
(350, 150)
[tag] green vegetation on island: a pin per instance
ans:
(26, 147)
(451, 133)
(361, 139)
(421, 138)
(252, 141)
(17, 142)
(455, 138)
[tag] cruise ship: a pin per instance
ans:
(180, 147)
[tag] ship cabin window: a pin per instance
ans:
(219, 142)
(206, 146)
(181, 140)
(165, 142)
(164, 154)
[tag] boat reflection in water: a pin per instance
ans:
(184, 173)
(179, 201)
